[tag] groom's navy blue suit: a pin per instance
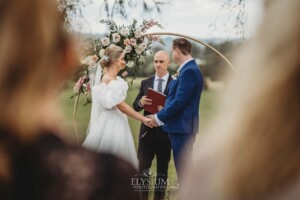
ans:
(181, 112)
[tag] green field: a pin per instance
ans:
(207, 105)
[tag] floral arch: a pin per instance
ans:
(135, 49)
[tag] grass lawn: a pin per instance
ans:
(207, 105)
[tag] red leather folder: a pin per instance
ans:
(158, 99)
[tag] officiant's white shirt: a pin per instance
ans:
(160, 123)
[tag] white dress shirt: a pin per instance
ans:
(181, 66)
(160, 123)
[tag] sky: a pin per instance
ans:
(188, 17)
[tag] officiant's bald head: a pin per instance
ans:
(161, 63)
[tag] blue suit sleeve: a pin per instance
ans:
(185, 89)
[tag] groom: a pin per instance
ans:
(180, 116)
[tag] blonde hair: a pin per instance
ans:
(33, 47)
(111, 53)
(253, 150)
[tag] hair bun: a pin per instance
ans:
(111, 54)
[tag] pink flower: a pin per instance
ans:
(105, 41)
(154, 38)
(150, 24)
(94, 58)
(127, 42)
(116, 37)
(88, 88)
(133, 41)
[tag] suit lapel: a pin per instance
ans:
(151, 82)
(148, 84)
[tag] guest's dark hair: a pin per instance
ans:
(183, 45)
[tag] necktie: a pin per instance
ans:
(159, 87)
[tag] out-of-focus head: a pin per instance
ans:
(161, 63)
(251, 152)
(36, 55)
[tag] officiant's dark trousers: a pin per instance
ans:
(155, 143)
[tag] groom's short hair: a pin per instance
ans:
(183, 45)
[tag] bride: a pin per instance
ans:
(109, 129)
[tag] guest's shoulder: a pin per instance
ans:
(71, 164)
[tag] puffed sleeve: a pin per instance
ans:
(111, 94)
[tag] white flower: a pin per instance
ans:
(146, 41)
(88, 61)
(101, 53)
(148, 52)
(175, 76)
(116, 37)
(92, 63)
(124, 31)
(85, 61)
(128, 49)
(105, 41)
(130, 64)
(138, 33)
(139, 49)
(142, 59)
(125, 73)
(143, 46)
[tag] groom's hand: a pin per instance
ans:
(146, 122)
(153, 122)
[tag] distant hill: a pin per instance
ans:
(166, 39)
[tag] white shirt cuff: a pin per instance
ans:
(160, 123)
(139, 103)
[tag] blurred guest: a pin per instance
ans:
(253, 150)
(36, 55)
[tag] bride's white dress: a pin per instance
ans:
(109, 129)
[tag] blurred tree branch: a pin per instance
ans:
(236, 11)
(72, 8)
(236, 17)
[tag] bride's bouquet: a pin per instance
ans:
(131, 38)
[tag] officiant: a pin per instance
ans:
(154, 141)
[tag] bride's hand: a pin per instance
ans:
(160, 108)
(147, 121)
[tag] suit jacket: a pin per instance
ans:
(181, 111)
(145, 84)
